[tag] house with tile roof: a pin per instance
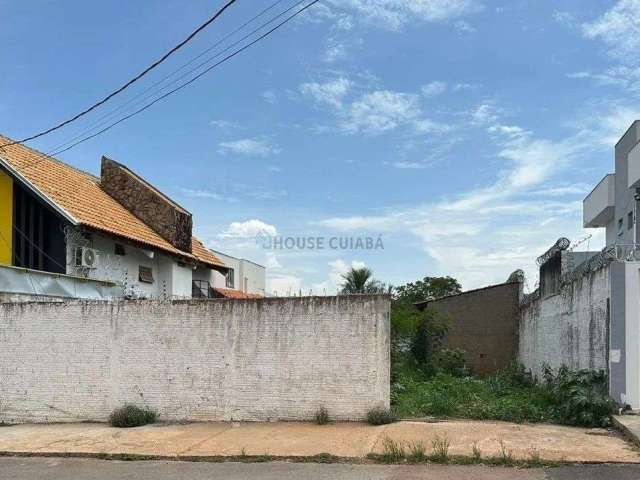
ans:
(116, 228)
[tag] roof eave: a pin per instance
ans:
(57, 208)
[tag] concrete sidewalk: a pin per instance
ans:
(293, 439)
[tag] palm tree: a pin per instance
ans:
(360, 281)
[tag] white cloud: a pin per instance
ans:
(484, 113)
(249, 229)
(270, 96)
(224, 125)
(394, 14)
(409, 165)
(619, 29)
(260, 147)
(434, 88)
(331, 92)
(380, 111)
(200, 193)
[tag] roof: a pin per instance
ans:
(228, 293)
(425, 302)
(79, 196)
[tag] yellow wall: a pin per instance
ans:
(6, 218)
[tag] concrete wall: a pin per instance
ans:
(195, 360)
(570, 328)
(484, 323)
(623, 194)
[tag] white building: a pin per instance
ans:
(115, 235)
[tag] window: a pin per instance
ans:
(620, 226)
(629, 220)
(229, 278)
(145, 274)
(119, 249)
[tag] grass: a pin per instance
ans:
(132, 416)
(414, 452)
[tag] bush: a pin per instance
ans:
(427, 339)
(580, 397)
(131, 416)
(381, 416)
(452, 361)
(322, 416)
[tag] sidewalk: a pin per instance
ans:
(293, 439)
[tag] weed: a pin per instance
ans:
(243, 452)
(417, 452)
(476, 453)
(440, 453)
(321, 416)
(131, 416)
(534, 458)
(392, 451)
(506, 456)
(381, 416)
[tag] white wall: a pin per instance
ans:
(254, 273)
(569, 328)
(171, 279)
(195, 360)
(632, 334)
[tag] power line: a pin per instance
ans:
(111, 114)
(183, 85)
(130, 82)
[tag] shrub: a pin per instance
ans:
(381, 416)
(451, 361)
(131, 416)
(427, 339)
(321, 416)
(580, 397)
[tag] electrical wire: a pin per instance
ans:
(185, 84)
(130, 82)
(101, 121)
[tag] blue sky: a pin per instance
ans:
(463, 133)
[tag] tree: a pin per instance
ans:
(360, 281)
(428, 288)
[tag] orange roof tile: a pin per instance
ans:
(79, 194)
(228, 293)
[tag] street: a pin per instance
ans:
(16, 468)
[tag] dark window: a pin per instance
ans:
(229, 279)
(629, 220)
(201, 289)
(145, 274)
(119, 249)
(620, 226)
(38, 238)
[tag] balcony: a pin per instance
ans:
(599, 207)
(633, 167)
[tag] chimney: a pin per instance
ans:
(163, 215)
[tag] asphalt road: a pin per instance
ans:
(90, 469)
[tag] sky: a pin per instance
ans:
(457, 137)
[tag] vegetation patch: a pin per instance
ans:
(321, 416)
(381, 416)
(131, 416)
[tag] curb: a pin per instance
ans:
(628, 433)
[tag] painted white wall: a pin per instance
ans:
(214, 360)
(249, 277)
(172, 278)
(632, 333)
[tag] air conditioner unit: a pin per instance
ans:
(86, 257)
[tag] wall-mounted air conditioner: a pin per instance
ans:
(86, 257)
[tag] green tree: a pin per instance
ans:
(427, 289)
(360, 281)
